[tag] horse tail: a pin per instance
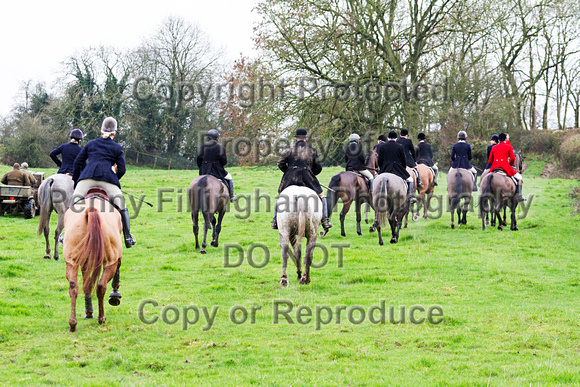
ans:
(201, 202)
(92, 252)
(302, 206)
(382, 205)
(485, 197)
(45, 205)
(458, 191)
(332, 193)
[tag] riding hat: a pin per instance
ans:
(77, 134)
(404, 132)
(109, 125)
(495, 138)
(301, 133)
(462, 135)
(213, 134)
(382, 137)
(421, 136)
(502, 137)
(392, 134)
(353, 137)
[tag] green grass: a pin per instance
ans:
(510, 301)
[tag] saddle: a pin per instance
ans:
(502, 172)
(97, 193)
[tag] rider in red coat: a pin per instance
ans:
(502, 157)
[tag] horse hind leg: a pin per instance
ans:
(310, 245)
(343, 212)
(57, 233)
(514, 225)
(358, 206)
(195, 220)
(46, 232)
(107, 275)
(206, 226)
(73, 291)
(285, 254)
(218, 229)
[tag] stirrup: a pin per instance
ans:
(115, 298)
(326, 223)
(130, 241)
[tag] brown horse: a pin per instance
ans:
(92, 243)
(210, 195)
(498, 192)
(350, 187)
(519, 167)
(389, 202)
(425, 192)
(459, 186)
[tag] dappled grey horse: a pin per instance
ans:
(55, 194)
(390, 202)
(299, 212)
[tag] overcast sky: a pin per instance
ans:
(36, 36)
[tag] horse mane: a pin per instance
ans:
(91, 255)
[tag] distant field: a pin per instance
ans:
(509, 300)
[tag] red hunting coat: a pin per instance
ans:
(502, 157)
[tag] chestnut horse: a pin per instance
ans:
(92, 243)
(425, 192)
(209, 195)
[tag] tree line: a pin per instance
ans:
(334, 67)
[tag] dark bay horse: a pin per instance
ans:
(390, 203)
(92, 243)
(55, 194)
(209, 195)
(459, 186)
(299, 215)
(498, 192)
(350, 187)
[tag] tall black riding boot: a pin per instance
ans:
(230, 184)
(419, 182)
(520, 197)
(325, 219)
(436, 171)
(275, 221)
(411, 192)
(115, 296)
(129, 240)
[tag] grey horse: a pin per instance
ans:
(55, 194)
(390, 202)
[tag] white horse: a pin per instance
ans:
(54, 193)
(299, 214)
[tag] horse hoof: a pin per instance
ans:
(214, 243)
(452, 226)
(380, 243)
(102, 320)
(202, 251)
(405, 226)
(343, 234)
(323, 233)
(115, 298)
(89, 316)
(359, 233)
(73, 329)
(47, 256)
(500, 228)
(393, 240)
(515, 228)
(487, 224)
(304, 281)
(284, 282)
(415, 218)
(56, 258)
(372, 229)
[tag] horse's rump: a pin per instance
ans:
(299, 213)
(389, 195)
(207, 193)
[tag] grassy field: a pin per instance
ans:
(509, 299)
